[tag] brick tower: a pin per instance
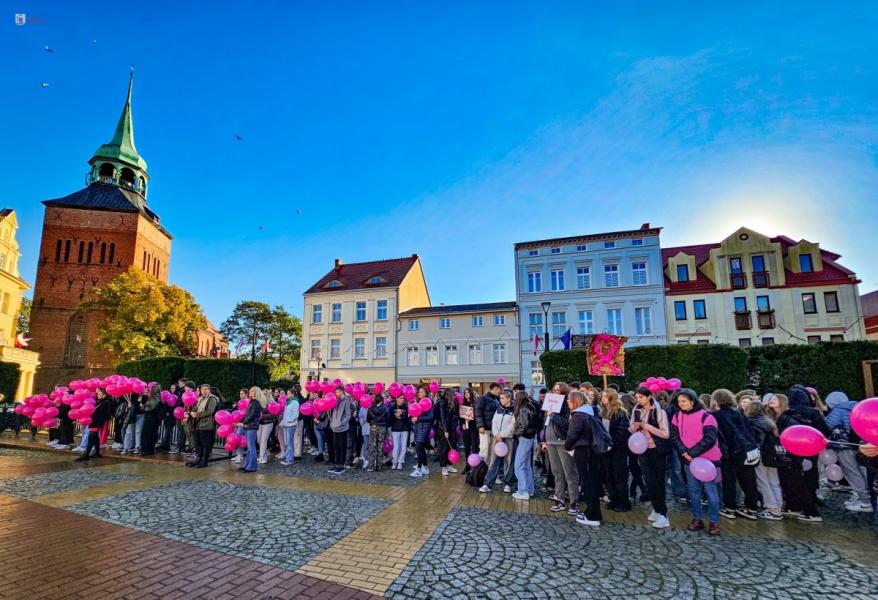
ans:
(90, 237)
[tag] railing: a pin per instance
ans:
(761, 279)
(766, 320)
(743, 320)
(739, 281)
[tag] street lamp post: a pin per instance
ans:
(546, 304)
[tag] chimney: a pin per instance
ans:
(644, 227)
(338, 263)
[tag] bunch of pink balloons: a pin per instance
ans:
(168, 398)
(659, 384)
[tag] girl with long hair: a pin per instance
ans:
(765, 433)
(527, 426)
(446, 428)
(650, 419)
(251, 428)
(615, 420)
(421, 426)
(398, 419)
(266, 424)
(563, 466)
(468, 429)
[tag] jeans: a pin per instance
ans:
(653, 464)
(498, 466)
(768, 483)
(678, 486)
(400, 443)
(252, 445)
(853, 472)
(264, 434)
(696, 490)
(133, 433)
(524, 467)
(319, 434)
(289, 443)
(564, 470)
(364, 446)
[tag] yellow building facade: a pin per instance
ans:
(350, 322)
(12, 286)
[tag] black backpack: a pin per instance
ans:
(476, 476)
(601, 442)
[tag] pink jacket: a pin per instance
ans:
(692, 430)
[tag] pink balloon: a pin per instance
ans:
(273, 407)
(501, 381)
(85, 421)
(329, 402)
(453, 456)
(138, 386)
(434, 387)
(409, 393)
(87, 410)
(388, 445)
(189, 398)
(243, 404)
(19, 408)
(458, 396)
(501, 449)
(378, 387)
(651, 380)
(77, 404)
(242, 442)
(39, 414)
(807, 465)
(52, 412)
(395, 390)
(834, 473)
(349, 389)
(230, 446)
(864, 420)
(307, 409)
(178, 413)
(802, 440)
(233, 439)
(50, 423)
(426, 404)
(415, 410)
(473, 460)
(702, 469)
(223, 417)
(224, 430)
(73, 414)
(366, 401)
(654, 388)
(637, 443)
(27, 411)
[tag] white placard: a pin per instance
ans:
(553, 403)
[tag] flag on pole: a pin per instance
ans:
(536, 343)
(565, 339)
(265, 347)
(239, 345)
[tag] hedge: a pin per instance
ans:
(695, 365)
(9, 378)
(226, 374)
(827, 366)
(164, 369)
(284, 384)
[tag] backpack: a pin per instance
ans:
(601, 442)
(476, 476)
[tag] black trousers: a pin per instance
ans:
(615, 464)
(798, 495)
(206, 439)
(169, 423)
(308, 424)
(65, 431)
(653, 464)
(470, 441)
(94, 442)
(119, 430)
(636, 475)
(444, 445)
(329, 444)
(589, 468)
(421, 452)
(340, 447)
(150, 433)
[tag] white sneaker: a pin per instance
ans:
(279, 455)
(582, 520)
(116, 446)
(238, 459)
(452, 470)
(653, 516)
(79, 449)
(444, 471)
(484, 489)
(62, 447)
(415, 473)
(507, 489)
(425, 471)
(521, 496)
(52, 443)
(365, 464)
(661, 522)
(262, 461)
(857, 506)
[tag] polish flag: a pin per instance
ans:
(536, 343)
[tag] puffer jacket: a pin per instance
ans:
(579, 432)
(485, 409)
(423, 426)
(446, 416)
(800, 412)
(503, 423)
(735, 430)
(839, 418)
(377, 416)
(694, 432)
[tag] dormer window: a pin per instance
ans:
(335, 283)
(376, 280)
(806, 264)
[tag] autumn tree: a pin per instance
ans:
(254, 323)
(146, 317)
(22, 325)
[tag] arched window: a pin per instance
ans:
(112, 252)
(81, 251)
(108, 171)
(127, 178)
(88, 255)
(142, 186)
(58, 251)
(74, 351)
(103, 252)
(66, 250)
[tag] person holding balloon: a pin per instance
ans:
(446, 422)
(839, 422)
(99, 416)
(400, 425)
(740, 456)
(694, 435)
(651, 421)
(764, 431)
(468, 429)
(502, 428)
(204, 425)
(250, 423)
(339, 424)
(133, 426)
(422, 423)
(151, 400)
(288, 424)
(377, 418)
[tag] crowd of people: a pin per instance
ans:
(578, 452)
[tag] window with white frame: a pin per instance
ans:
(559, 324)
(444, 323)
(638, 273)
(535, 320)
(451, 354)
(315, 349)
(381, 347)
(586, 322)
(636, 242)
(334, 349)
(478, 321)
(500, 354)
(643, 320)
(361, 311)
(557, 280)
(317, 314)
(614, 321)
(611, 276)
(414, 325)
(335, 317)
(381, 307)
(533, 252)
(581, 248)
(475, 354)
(432, 356)
(359, 347)
(609, 244)
(536, 373)
(412, 357)
(499, 320)
(556, 251)
(534, 282)
(583, 278)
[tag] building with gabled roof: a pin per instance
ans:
(751, 289)
(351, 315)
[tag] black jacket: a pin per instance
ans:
(485, 409)
(619, 433)
(101, 414)
(578, 431)
(252, 416)
(736, 435)
(376, 415)
(401, 423)
(559, 422)
(524, 427)
(446, 416)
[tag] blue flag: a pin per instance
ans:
(565, 339)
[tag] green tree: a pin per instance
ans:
(146, 317)
(248, 324)
(23, 323)
(254, 323)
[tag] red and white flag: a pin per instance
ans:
(536, 344)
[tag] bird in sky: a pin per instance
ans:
(298, 211)
(44, 84)
(49, 50)
(238, 138)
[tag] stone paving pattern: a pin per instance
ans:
(485, 554)
(284, 528)
(307, 467)
(34, 486)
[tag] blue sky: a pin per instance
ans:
(450, 129)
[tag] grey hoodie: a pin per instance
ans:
(340, 416)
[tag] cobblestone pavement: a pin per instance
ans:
(284, 528)
(486, 554)
(34, 486)
(20, 453)
(307, 467)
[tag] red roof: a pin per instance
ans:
(358, 276)
(832, 273)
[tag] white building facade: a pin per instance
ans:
(596, 283)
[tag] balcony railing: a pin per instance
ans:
(761, 279)
(743, 320)
(766, 320)
(739, 281)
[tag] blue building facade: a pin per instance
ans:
(606, 282)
